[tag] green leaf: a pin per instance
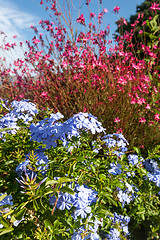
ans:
(137, 150)
(3, 196)
(144, 171)
(140, 212)
(102, 176)
(35, 205)
(109, 197)
(56, 223)
(59, 181)
(20, 213)
(49, 225)
(106, 212)
(21, 206)
(5, 230)
(109, 189)
(93, 168)
(4, 222)
(123, 157)
(119, 184)
(66, 189)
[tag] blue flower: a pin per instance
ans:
(113, 234)
(151, 165)
(125, 197)
(115, 168)
(133, 159)
(20, 110)
(64, 201)
(123, 224)
(6, 200)
(83, 211)
(120, 142)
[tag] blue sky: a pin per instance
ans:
(16, 16)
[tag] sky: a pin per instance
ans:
(16, 17)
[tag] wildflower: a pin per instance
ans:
(157, 116)
(128, 195)
(35, 41)
(155, 7)
(105, 10)
(87, 2)
(49, 130)
(115, 169)
(116, 9)
(113, 234)
(140, 32)
(83, 211)
(64, 201)
(92, 15)
(142, 120)
(116, 120)
(147, 106)
(133, 159)
(81, 19)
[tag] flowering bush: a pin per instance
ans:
(71, 180)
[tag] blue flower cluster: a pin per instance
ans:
(23, 110)
(81, 200)
(115, 168)
(123, 225)
(48, 131)
(125, 197)
(120, 143)
(154, 171)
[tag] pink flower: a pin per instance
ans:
(155, 89)
(124, 21)
(116, 9)
(141, 101)
(157, 116)
(44, 94)
(155, 7)
(151, 123)
(21, 95)
(92, 15)
(105, 10)
(116, 120)
(81, 19)
(36, 41)
(147, 107)
(140, 32)
(119, 130)
(142, 120)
